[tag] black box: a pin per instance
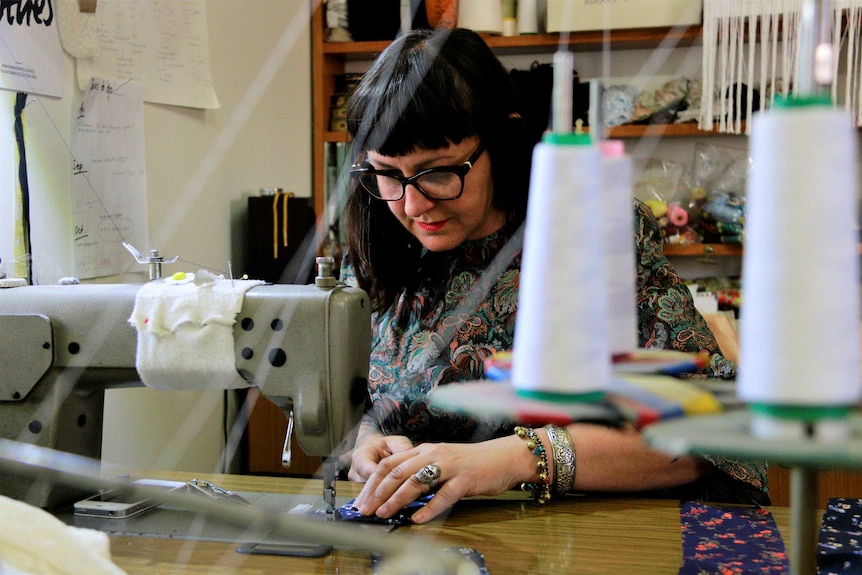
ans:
(281, 243)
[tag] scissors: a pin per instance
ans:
(212, 490)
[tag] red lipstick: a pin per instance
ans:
(432, 226)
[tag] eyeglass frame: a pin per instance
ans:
(357, 171)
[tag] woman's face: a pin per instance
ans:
(444, 225)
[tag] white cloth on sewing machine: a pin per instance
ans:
(185, 332)
(34, 541)
(200, 299)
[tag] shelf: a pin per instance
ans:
(703, 250)
(329, 59)
(336, 137)
(706, 250)
(683, 130)
(629, 131)
(591, 41)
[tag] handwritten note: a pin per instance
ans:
(31, 58)
(109, 181)
(163, 44)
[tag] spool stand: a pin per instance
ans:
(729, 435)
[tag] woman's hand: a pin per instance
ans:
(371, 447)
(486, 468)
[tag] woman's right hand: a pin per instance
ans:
(371, 447)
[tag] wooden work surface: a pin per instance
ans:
(575, 534)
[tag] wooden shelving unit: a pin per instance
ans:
(329, 60)
(591, 41)
(684, 130)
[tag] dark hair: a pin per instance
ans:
(427, 89)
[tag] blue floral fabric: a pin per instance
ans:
(839, 549)
(730, 540)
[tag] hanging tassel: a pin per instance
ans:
(730, 54)
(729, 30)
(846, 24)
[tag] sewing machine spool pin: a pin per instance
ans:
(154, 260)
(325, 277)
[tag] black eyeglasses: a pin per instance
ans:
(438, 183)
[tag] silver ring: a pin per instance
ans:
(428, 475)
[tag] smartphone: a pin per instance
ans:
(119, 504)
(290, 549)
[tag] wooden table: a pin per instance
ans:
(576, 534)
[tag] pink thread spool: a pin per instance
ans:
(677, 215)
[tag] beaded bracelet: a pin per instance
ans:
(565, 459)
(541, 490)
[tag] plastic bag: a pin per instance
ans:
(665, 186)
(720, 175)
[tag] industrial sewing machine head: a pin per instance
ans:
(306, 347)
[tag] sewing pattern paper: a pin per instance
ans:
(109, 180)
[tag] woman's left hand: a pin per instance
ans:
(486, 468)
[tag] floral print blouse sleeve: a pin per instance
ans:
(440, 333)
(667, 318)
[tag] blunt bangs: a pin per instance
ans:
(419, 102)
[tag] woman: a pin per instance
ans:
(439, 190)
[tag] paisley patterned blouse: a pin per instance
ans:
(443, 332)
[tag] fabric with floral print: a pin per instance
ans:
(839, 548)
(724, 540)
(666, 314)
(443, 331)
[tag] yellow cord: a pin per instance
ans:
(275, 222)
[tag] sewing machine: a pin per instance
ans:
(306, 347)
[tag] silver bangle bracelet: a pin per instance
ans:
(565, 460)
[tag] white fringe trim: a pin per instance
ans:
(731, 53)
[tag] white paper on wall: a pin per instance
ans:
(109, 179)
(163, 44)
(31, 58)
